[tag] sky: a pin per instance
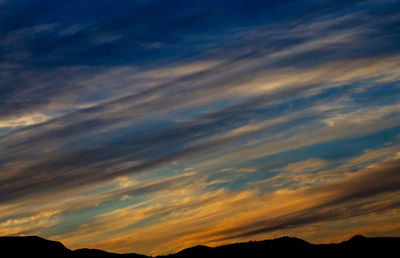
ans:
(150, 126)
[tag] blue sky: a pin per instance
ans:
(151, 126)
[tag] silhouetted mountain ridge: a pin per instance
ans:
(32, 246)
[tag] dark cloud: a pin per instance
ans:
(124, 36)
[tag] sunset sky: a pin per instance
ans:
(150, 126)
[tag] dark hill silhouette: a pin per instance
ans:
(36, 247)
(31, 246)
(357, 246)
(94, 253)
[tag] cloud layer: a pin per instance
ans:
(198, 122)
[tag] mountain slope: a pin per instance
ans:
(32, 246)
(281, 247)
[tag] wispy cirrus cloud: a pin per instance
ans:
(189, 122)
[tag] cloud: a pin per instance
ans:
(24, 121)
(305, 166)
(28, 224)
(235, 121)
(93, 119)
(358, 186)
(210, 218)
